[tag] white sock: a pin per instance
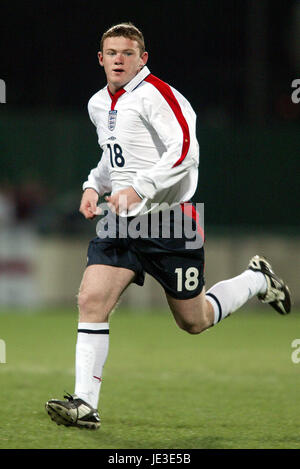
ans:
(229, 295)
(91, 353)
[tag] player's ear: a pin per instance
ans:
(100, 58)
(144, 58)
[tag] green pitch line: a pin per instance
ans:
(234, 386)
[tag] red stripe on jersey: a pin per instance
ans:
(168, 94)
(189, 210)
(115, 97)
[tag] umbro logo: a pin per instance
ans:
(112, 138)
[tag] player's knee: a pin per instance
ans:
(83, 301)
(195, 327)
(90, 304)
(193, 330)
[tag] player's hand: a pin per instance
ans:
(88, 205)
(123, 200)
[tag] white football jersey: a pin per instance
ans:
(147, 132)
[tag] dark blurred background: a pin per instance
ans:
(234, 60)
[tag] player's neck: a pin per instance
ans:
(114, 89)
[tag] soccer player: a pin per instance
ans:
(147, 131)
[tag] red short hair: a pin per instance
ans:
(127, 30)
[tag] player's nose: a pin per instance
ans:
(119, 59)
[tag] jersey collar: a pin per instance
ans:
(137, 79)
(132, 85)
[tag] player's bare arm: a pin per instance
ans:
(88, 205)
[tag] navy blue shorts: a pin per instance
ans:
(174, 257)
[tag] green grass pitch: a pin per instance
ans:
(234, 386)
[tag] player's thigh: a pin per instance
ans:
(102, 286)
(191, 314)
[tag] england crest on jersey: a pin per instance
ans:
(112, 118)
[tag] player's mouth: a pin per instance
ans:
(118, 70)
